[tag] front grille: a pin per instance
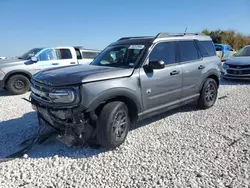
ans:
(39, 86)
(40, 91)
(238, 72)
(239, 66)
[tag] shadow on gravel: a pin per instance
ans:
(15, 131)
(183, 109)
(3, 93)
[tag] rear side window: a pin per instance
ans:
(64, 54)
(164, 51)
(206, 48)
(89, 55)
(188, 51)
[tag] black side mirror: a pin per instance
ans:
(156, 64)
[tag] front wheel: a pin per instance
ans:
(18, 84)
(113, 125)
(208, 94)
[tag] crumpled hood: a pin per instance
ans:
(239, 61)
(75, 74)
(12, 62)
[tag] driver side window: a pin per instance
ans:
(164, 51)
(47, 55)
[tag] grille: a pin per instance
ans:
(238, 72)
(239, 66)
(40, 91)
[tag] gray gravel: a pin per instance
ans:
(181, 148)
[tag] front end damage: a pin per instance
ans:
(71, 124)
(68, 118)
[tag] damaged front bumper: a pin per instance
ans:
(72, 124)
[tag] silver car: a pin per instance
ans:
(237, 67)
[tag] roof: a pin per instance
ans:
(161, 37)
(86, 49)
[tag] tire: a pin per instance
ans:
(208, 94)
(18, 84)
(111, 134)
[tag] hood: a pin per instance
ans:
(12, 62)
(239, 61)
(76, 74)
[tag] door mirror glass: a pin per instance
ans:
(34, 59)
(156, 64)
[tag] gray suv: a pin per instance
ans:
(131, 79)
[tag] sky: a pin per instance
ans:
(25, 24)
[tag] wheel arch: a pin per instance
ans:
(212, 75)
(16, 72)
(124, 95)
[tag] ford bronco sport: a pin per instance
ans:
(131, 79)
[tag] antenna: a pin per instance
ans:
(186, 30)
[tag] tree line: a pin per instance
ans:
(235, 39)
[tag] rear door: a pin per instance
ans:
(193, 66)
(162, 88)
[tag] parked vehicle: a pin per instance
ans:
(3, 58)
(133, 78)
(224, 51)
(238, 67)
(16, 73)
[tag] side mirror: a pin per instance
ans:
(34, 59)
(156, 64)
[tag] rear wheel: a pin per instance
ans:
(208, 94)
(113, 125)
(18, 84)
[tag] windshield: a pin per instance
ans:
(119, 56)
(30, 53)
(244, 52)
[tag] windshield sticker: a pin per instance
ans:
(136, 47)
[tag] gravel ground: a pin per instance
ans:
(181, 148)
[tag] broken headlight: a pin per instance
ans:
(63, 95)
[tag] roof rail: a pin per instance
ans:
(125, 38)
(163, 35)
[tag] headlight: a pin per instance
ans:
(62, 95)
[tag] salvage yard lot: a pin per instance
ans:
(182, 148)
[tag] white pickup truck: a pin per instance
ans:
(16, 73)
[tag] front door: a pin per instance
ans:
(162, 88)
(47, 58)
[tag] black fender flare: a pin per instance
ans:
(115, 93)
(209, 74)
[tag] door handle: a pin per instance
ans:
(55, 63)
(72, 62)
(201, 67)
(174, 72)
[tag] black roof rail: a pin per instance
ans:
(163, 35)
(125, 38)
